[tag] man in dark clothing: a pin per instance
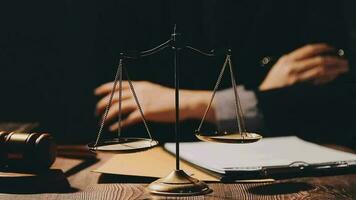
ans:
(315, 109)
(50, 80)
(259, 34)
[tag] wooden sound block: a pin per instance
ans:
(52, 180)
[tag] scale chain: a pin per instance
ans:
(108, 106)
(238, 109)
(120, 102)
(118, 78)
(214, 92)
(138, 104)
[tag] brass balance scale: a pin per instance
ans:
(177, 183)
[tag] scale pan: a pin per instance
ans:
(225, 137)
(123, 145)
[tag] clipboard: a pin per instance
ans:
(297, 169)
(277, 158)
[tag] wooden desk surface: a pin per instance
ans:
(85, 184)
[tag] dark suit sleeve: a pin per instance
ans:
(307, 110)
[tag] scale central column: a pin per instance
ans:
(176, 47)
(177, 183)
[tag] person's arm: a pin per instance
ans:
(305, 64)
(157, 102)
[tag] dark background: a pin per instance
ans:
(351, 19)
(43, 43)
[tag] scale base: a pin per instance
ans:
(178, 183)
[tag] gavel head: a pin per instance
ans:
(26, 151)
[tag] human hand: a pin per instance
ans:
(305, 64)
(157, 103)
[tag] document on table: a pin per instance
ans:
(278, 152)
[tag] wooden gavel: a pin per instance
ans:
(26, 151)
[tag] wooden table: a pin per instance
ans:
(85, 184)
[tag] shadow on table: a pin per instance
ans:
(77, 152)
(281, 188)
(83, 165)
(52, 181)
(112, 178)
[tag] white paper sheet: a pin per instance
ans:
(269, 152)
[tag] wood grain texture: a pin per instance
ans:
(298, 189)
(85, 184)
